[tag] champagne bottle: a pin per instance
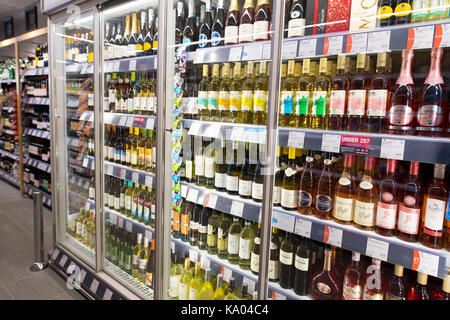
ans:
(232, 23)
(218, 28)
(263, 16)
(297, 21)
(247, 21)
(206, 27)
(190, 30)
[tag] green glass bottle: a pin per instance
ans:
(222, 236)
(175, 277)
(185, 281)
(234, 234)
(245, 245)
(219, 293)
(213, 225)
(230, 291)
(128, 197)
(135, 257)
(196, 283)
(207, 290)
(143, 260)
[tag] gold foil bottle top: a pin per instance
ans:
(381, 59)
(237, 70)
(306, 68)
(446, 284)
(226, 70)
(283, 70)
(187, 264)
(360, 61)
(205, 70)
(234, 6)
(215, 72)
(329, 68)
(422, 278)
(439, 171)
(398, 270)
(297, 70)
(250, 67)
(291, 67)
(323, 65)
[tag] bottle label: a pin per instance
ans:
(287, 102)
(233, 244)
(117, 203)
(366, 185)
(261, 30)
(400, 115)
(244, 249)
(430, 116)
(184, 291)
(344, 181)
(92, 192)
(184, 228)
(386, 214)
(254, 262)
(304, 199)
(231, 34)
(203, 40)
(247, 100)
(289, 198)
(137, 104)
(296, 26)
(130, 105)
(232, 183)
(408, 220)
(122, 200)
(141, 156)
(246, 32)
(202, 102)
(274, 269)
(235, 101)
(209, 167)
(343, 208)
(134, 157)
(216, 38)
(276, 195)
(434, 216)
(245, 187)
(301, 102)
(420, 10)
(260, 101)
(319, 103)
(324, 203)
(324, 288)
(220, 180)
(134, 207)
(174, 286)
(349, 291)
(376, 104)
(146, 212)
(213, 100)
(364, 213)
(90, 99)
(367, 295)
(176, 221)
(199, 165)
(127, 202)
(224, 100)
(337, 102)
(222, 239)
(150, 104)
(191, 105)
(286, 258)
(356, 102)
(193, 293)
(257, 191)
(437, 7)
(301, 264)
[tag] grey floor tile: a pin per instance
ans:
(4, 295)
(15, 268)
(37, 286)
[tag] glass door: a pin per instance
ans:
(221, 74)
(129, 110)
(73, 133)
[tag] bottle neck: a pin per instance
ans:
(327, 261)
(434, 75)
(405, 76)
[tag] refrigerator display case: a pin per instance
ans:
(258, 146)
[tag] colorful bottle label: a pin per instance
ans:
(430, 116)
(356, 102)
(386, 214)
(301, 102)
(385, 12)
(247, 100)
(324, 203)
(259, 101)
(400, 115)
(304, 198)
(213, 100)
(337, 102)
(202, 102)
(287, 102)
(376, 104)
(319, 103)
(408, 220)
(350, 291)
(224, 100)
(434, 217)
(235, 101)
(402, 9)
(437, 7)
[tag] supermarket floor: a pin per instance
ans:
(16, 252)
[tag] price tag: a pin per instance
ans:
(212, 131)
(123, 173)
(392, 149)
(283, 221)
(82, 275)
(85, 162)
(129, 226)
(116, 66)
(296, 139)
(211, 201)
(356, 43)
(250, 284)
(442, 36)
(63, 261)
(150, 123)
(148, 181)
(109, 67)
(192, 195)
(94, 286)
(420, 37)
(108, 295)
(130, 121)
(194, 129)
(193, 255)
(332, 45)
(227, 274)
(267, 47)
(235, 54)
(135, 177)
(307, 48)
(199, 56)
(377, 249)
(204, 262)
(332, 236)
(303, 228)
(120, 222)
(237, 133)
(290, 49)
(278, 296)
(132, 65)
(55, 253)
(425, 262)
(331, 143)
(252, 52)
(378, 41)
(237, 208)
(123, 121)
(109, 169)
(83, 68)
(184, 190)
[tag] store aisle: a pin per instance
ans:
(16, 252)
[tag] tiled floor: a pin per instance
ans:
(16, 252)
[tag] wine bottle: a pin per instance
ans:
(220, 174)
(373, 286)
(353, 279)
(190, 30)
(396, 289)
(320, 97)
(366, 198)
(180, 22)
(357, 96)
(297, 21)
(207, 290)
(339, 96)
(324, 284)
(133, 37)
(419, 290)
(234, 162)
(288, 118)
(263, 16)
(274, 262)
(245, 245)
(235, 95)
(232, 23)
(400, 115)
(211, 239)
(205, 214)
(222, 236)
(206, 28)
(444, 292)
(306, 194)
(218, 28)
(247, 21)
(409, 210)
(213, 95)
(247, 95)
(196, 283)
(287, 262)
(254, 255)
(420, 11)
(256, 165)
(260, 94)
(434, 206)
(245, 176)
(199, 161)
(289, 188)
(303, 95)
(210, 161)
(233, 241)
(302, 264)
(202, 103)
(224, 94)
(387, 201)
(219, 293)
(430, 115)
(185, 281)
(324, 197)
(230, 291)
